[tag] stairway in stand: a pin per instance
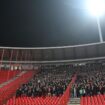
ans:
(74, 101)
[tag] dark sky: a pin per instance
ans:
(46, 23)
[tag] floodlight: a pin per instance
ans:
(96, 7)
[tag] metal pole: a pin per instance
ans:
(99, 30)
(10, 64)
(11, 56)
(2, 56)
(17, 53)
(26, 55)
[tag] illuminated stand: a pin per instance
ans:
(97, 9)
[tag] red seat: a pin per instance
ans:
(93, 100)
(81, 101)
(7, 74)
(33, 101)
(62, 100)
(88, 101)
(99, 100)
(9, 89)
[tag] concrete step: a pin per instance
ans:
(74, 98)
(74, 101)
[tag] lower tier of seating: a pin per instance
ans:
(7, 74)
(33, 101)
(48, 100)
(8, 90)
(93, 100)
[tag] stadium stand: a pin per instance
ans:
(54, 86)
(54, 77)
(47, 82)
(8, 90)
(90, 81)
(5, 75)
(93, 100)
(48, 100)
(90, 85)
(54, 81)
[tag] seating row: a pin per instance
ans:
(5, 75)
(93, 100)
(8, 90)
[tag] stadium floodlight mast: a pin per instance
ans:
(97, 9)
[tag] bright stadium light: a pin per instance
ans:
(96, 7)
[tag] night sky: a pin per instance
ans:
(38, 23)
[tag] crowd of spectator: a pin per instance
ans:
(48, 82)
(53, 80)
(90, 81)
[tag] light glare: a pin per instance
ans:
(96, 7)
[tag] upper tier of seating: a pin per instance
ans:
(7, 74)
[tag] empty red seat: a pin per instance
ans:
(10, 89)
(88, 101)
(7, 74)
(81, 101)
(33, 101)
(93, 100)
